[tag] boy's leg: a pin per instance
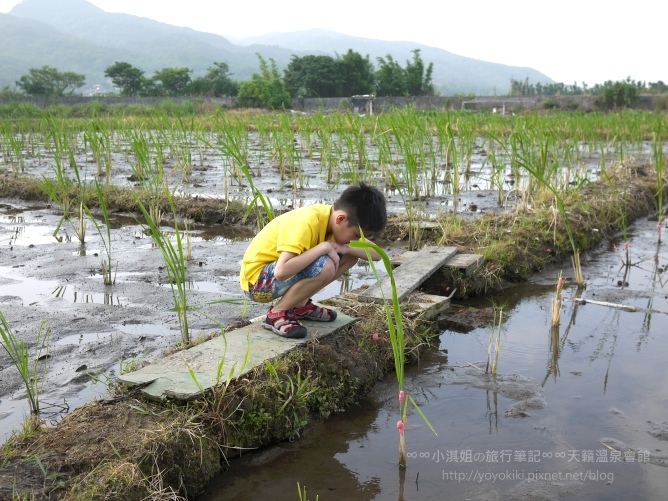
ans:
(295, 296)
(299, 293)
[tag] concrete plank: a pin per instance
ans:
(410, 275)
(428, 305)
(235, 352)
(467, 262)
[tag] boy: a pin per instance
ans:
(300, 252)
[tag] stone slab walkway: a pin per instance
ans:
(188, 374)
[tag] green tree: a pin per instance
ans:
(390, 77)
(356, 74)
(172, 81)
(267, 87)
(128, 79)
(312, 76)
(620, 94)
(418, 80)
(216, 82)
(657, 87)
(48, 81)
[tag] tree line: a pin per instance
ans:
(610, 94)
(307, 77)
(304, 76)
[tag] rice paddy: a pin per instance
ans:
(438, 169)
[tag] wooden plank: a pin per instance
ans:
(410, 275)
(467, 262)
(403, 258)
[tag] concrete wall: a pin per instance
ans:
(501, 103)
(44, 102)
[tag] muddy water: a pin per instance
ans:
(586, 420)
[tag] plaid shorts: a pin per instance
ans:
(267, 288)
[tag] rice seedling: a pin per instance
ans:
(106, 239)
(229, 146)
(189, 242)
(497, 169)
(181, 144)
(13, 150)
(98, 141)
(32, 375)
(301, 492)
(327, 160)
(494, 344)
(174, 257)
(657, 151)
(58, 190)
(142, 157)
(409, 189)
(447, 139)
(80, 231)
(557, 302)
(396, 334)
(537, 174)
(80, 185)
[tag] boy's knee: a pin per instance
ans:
(328, 271)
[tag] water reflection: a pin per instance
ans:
(492, 410)
(554, 352)
(74, 296)
(313, 462)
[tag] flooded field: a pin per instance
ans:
(577, 413)
(97, 328)
(582, 418)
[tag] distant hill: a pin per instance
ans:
(75, 35)
(453, 74)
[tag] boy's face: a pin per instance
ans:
(343, 232)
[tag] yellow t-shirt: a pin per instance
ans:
(296, 231)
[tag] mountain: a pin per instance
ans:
(75, 35)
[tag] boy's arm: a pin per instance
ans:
(289, 263)
(359, 253)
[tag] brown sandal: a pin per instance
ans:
(311, 311)
(284, 323)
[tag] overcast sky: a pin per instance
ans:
(569, 41)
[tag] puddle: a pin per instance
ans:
(55, 406)
(144, 329)
(90, 337)
(25, 235)
(27, 291)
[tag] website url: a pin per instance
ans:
(487, 476)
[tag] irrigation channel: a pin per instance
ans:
(581, 416)
(573, 413)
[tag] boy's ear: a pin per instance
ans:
(340, 217)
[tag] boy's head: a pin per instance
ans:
(364, 206)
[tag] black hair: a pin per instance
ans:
(365, 206)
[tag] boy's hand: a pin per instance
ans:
(358, 253)
(333, 253)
